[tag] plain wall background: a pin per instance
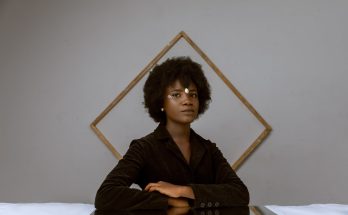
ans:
(63, 62)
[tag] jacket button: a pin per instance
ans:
(217, 204)
(209, 204)
(202, 205)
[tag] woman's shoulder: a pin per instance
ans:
(201, 139)
(206, 143)
(160, 134)
(145, 140)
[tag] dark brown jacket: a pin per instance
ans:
(156, 157)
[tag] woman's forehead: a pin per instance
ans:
(176, 85)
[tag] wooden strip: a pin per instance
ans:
(250, 149)
(244, 101)
(106, 142)
(126, 91)
(255, 210)
(264, 134)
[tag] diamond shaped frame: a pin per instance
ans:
(182, 35)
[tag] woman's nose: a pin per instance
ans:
(187, 100)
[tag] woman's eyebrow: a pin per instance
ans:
(180, 89)
(174, 90)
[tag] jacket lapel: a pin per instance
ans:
(197, 150)
(163, 135)
(197, 146)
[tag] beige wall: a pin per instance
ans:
(62, 62)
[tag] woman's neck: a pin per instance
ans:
(181, 136)
(179, 132)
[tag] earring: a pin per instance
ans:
(162, 109)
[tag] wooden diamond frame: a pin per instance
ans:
(183, 35)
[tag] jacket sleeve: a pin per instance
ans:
(227, 191)
(115, 193)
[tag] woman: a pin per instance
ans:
(174, 166)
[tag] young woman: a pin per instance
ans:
(173, 165)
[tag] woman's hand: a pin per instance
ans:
(170, 190)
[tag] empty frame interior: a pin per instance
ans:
(231, 121)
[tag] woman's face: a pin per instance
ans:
(181, 104)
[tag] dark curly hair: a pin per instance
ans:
(177, 68)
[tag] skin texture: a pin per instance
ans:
(180, 111)
(181, 108)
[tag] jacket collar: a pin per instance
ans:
(161, 132)
(198, 148)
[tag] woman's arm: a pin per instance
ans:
(115, 194)
(227, 191)
(171, 190)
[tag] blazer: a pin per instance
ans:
(156, 157)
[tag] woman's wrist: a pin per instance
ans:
(187, 192)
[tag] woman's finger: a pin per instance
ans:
(150, 185)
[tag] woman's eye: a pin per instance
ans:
(193, 95)
(176, 95)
